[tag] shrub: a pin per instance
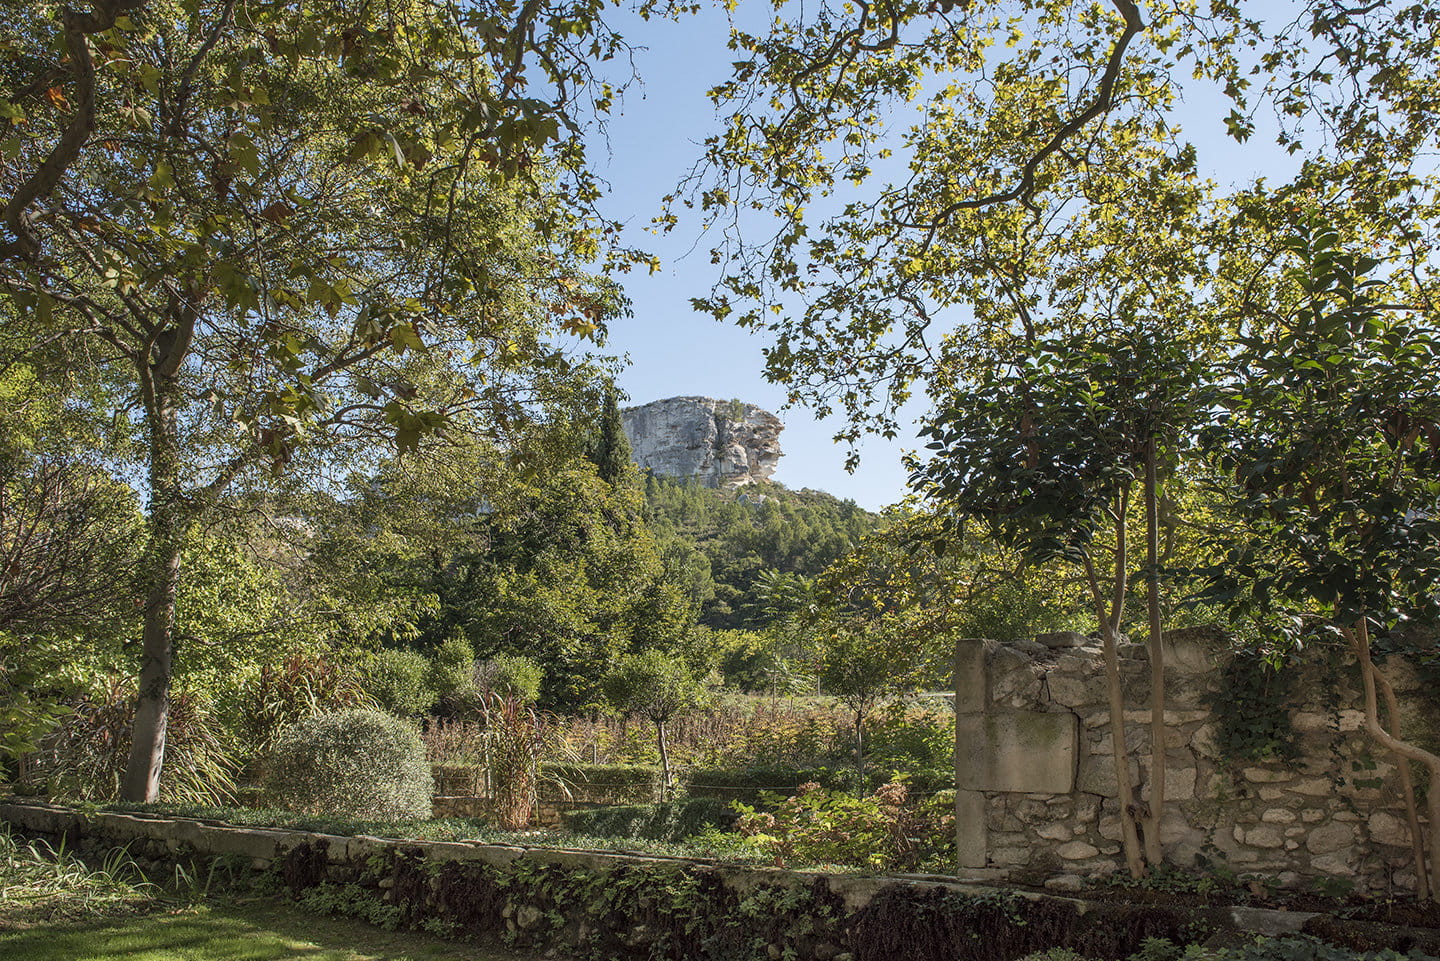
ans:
(84, 757)
(272, 697)
(451, 670)
(519, 736)
(911, 736)
(509, 675)
(751, 783)
(817, 826)
(358, 763)
(669, 821)
(398, 681)
(1283, 949)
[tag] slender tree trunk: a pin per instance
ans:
(664, 760)
(1407, 787)
(167, 522)
(860, 754)
(1153, 852)
(1109, 628)
(1360, 642)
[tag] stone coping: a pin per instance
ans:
(266, 844)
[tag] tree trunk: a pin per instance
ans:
(664, 760)
(1109, 628)
(1360, 642)
(860, 754)
(1153, 852)
(167, 522)
(1134, 860)
(1407, 787)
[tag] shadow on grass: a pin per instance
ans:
(226, 932)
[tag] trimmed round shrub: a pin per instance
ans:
(358, 763)
(399, 682)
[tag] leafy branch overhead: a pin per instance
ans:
(897, 183)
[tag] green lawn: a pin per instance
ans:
(257, 931)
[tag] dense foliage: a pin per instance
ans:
(720, 544)
(358, 763)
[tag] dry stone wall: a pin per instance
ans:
(616, 906)
(1037, 794)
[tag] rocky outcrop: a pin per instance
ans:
(720, 443)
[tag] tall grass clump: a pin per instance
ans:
(84, 758)
(41, 884)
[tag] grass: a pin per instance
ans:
(54, 907)
(232, 932)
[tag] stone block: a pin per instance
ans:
(1180, 840)
(1097, 774)
(245, 842)
(1334, 864)
(1329, 838)
(970, 829)
(1071, 690)
(1077, 851)
(1179, 784)
(363, 846)
(1054, 832)
(1351, 720)
(1016, 687)
(1023, 752)
(1264, 836)
(1190, 650)
(1062, 639)
(1386, 828)
(1205, 740)
(972, 689)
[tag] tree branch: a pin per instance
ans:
(44, 180)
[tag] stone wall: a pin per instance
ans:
(617, 906)
(1037, 781)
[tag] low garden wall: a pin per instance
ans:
(1317, 802)
(613, 906)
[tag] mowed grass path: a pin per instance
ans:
(258, 931)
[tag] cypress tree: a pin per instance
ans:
(612, 457)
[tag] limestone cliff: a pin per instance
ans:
(720, 443)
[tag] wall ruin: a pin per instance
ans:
(1037, 794)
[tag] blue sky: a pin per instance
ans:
(653, 140)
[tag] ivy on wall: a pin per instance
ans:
(652, 912)
(1251, 708)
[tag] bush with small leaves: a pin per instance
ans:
(358, 763)
(510, 675)
(398, 680)
(451, 667)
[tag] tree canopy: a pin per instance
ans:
(292, 231)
